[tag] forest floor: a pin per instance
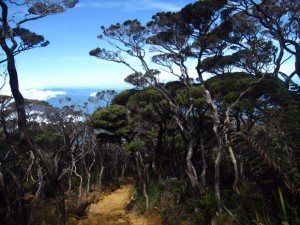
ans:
(111, 209)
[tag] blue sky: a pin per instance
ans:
(66, 61)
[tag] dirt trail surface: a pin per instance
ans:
(111, 210)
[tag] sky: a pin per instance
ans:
(66, 62)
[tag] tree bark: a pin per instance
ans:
(101, 176)
(143, 175)
(14, 84)
(21, 210)
(235, 167)
(191, 172)
(60, 203)
(204, 165)
(216, 129)
(220, 147)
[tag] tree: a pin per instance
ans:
(199, 36)
(103, 98)
(13, 40)
(11, 47)
(112, 123)
(113, 130)
(131, 35)
(3, 76)
(280, 23)
(4, 114)
(209, 115)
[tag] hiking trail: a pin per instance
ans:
(111, 210)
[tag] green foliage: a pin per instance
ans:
(219, 64)
(290, 122)
(48, 137)
(206, 31)
(244, 207)
(139, 203)
(104, 96)
(200, 13)
(234, 217)
(182, 206)
(290, 213)
(135, 145)
(154, 194)
(43, 8)
(194, 93)
(149, 105)
(204, 206)
(227, 87)
(144, 120)
(122, 97)
(110, 118)
(259, 102)
(282, 202)
(29, 38)
(171, 193)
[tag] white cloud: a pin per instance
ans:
(42, 95)
(93, 94)
(32, 93)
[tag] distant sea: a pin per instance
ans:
(77, 96)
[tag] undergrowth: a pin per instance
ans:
(178, 204)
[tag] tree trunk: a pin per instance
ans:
(204, 166)
(235, 167)
(20, 210)
(143, 176)
(88, 173)
(4, 127)
(80, 183)
(14, 85)
(124, 167)
(220, 147)
(216, 127)
(70, 180)
(88, 183)
(217, 178)
(60, 203)
(101, 176)
(156, 154)
(21, 115)
(146, 196)
(191, 172)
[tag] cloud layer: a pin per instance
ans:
(42, 95)
(37, 94)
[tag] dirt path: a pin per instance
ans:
(111, 210)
